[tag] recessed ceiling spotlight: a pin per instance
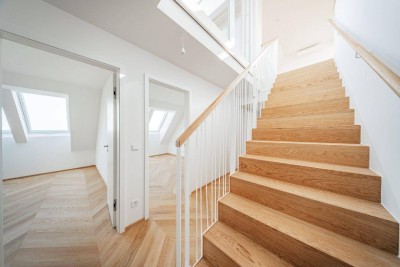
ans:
(121, 75)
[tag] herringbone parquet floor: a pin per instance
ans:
(61, 219)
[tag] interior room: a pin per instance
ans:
(57, 135)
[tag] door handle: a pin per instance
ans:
(106, 146)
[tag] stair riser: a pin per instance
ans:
(307, 108)
(357, 156)
(213, 254)
(322, 65)
(320, 86)
(370, 230)
(306, 81)
(348, 136)
(325, 120)
(350, 184)
(313, 91)
(279, 101)
(329, 71)
(286, 247)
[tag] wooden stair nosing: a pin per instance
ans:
(297, 241)
(355, 155)
(362, 220)
(348, 134)
(346, 180)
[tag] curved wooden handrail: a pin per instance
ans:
(389, 76)
(190, 130)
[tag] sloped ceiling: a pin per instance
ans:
(298, 24)
(29, 61)
(141, 23)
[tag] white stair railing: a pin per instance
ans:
(210, 148)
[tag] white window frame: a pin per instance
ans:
(2, 130)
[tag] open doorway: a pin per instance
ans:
(167, 114)
(60, 147)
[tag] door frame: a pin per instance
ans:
(118, 181)
(148, 78)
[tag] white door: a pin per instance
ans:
(110, 153)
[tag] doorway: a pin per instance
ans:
(167, 114)
(60, 137)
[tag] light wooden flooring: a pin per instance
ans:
(61, 219)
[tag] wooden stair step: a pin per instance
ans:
(328, 119)
(331, 105)
(342, 134)
(320, 86)
(301, 76)
(203, 263)
(361, 220)
(296, 241)
(307, 80)
(351, 181)
(286, 99)
(334, 153)
(317, 66)
(224, 246)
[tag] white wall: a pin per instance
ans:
(102, 138)
(34, 157)
(377, 106)
(375, 24)
(42, 22)
(155, 146)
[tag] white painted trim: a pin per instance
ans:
(120, 181)
(187, 95)
(1, 167)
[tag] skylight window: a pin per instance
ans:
(157, 119)
(45, 113)
(4, 122)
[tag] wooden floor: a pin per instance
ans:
(61, 219)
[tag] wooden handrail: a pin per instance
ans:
(389, 76)
(190, 130)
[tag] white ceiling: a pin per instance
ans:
(30, 61)
(298, 24)
(141, 23)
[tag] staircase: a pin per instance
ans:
(304, 194)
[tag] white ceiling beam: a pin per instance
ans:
(14, 116)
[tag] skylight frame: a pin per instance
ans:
(162, 120)
(5, 116)
(26, 118)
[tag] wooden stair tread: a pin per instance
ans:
(240, 249)
(308, 143)
(326, 166)
(334, 199)
(336, 246)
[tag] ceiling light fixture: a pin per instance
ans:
(121, 75)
